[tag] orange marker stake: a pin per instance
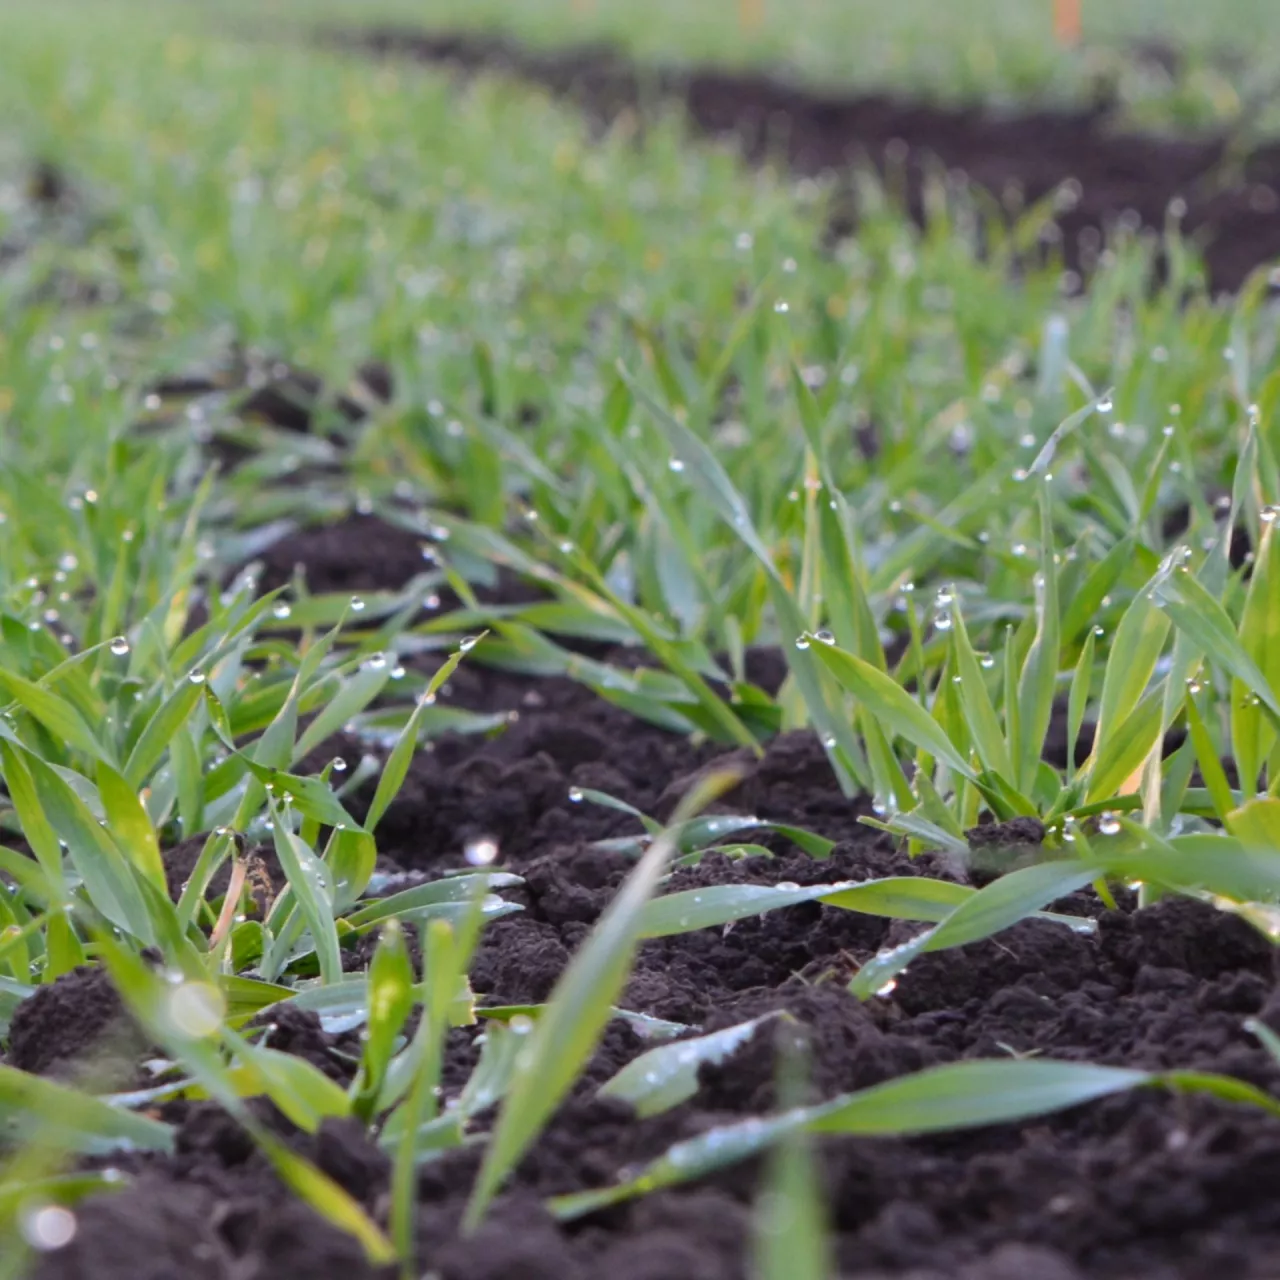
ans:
(751, 14)
(1066, 22)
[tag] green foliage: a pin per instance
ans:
(662, 418)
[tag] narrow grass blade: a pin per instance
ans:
(896, 897)
(301, 1091)
(1252, 735)
(1078, 698)
(1001, 904)
(668, 1075)
(352, 696)
(1135, 649)
(309, 881)
(1084, 606)
(1196, 612)
(62, 720)
(106, 872)
(884, 698)
(790, 1231)
(326, 1197)
(442, 898)
(579, 1008)
(74, 1119)
(967, 1095)
(1211, 863)
(961, 1095)
(1124, 749)
(312, 797)
(390, 1000)
(1040, 669)
(160, 731)
(397, 766)
(36, 826)
(1215, 778)
(128, 822)
(980, 714)
(1256, 824)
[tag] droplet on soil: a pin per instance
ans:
(481, 852)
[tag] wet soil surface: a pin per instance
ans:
(1102, 175)
(1146, 1185)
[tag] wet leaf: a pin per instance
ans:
(898, 897)
(668, 1075)
(999, 905)
(73, 1119)
(573, 1020)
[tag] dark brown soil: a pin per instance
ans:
(1150, 1186)
(1232, 210)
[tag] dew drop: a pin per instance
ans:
(197, 677)
(1109, 824)
(1020, 475)
(339, 765)
(467, 643)
(824, 637)
(481, 852)
(196, 1009)
(675, 464)
(119, 646)
(1269, 513)
(357, 605)
(575, 795)
(781, 307)
(942, 622)
(786, 886)
(802, 642)
(48, 1227)
(282, 610)
(986, 662)
(1105, 404)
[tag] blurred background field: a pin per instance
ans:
(984, 50)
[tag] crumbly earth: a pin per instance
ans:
(1148, 1185)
